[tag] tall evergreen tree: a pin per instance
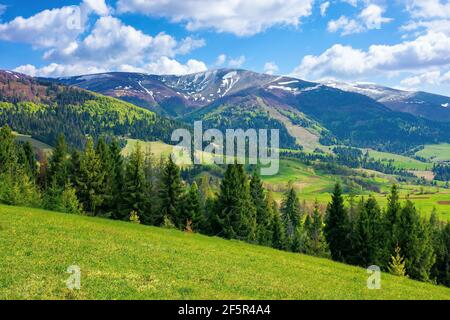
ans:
(440, 249)
(134, 197)
(29, 160)
(392, 216)
(263, 233)
(58, 164)
(337, 228)
(370, 241)
(316, 243)
(106, 166)
(415, 242)
(89, 182)
(291, 214)
(117, 176)
(235, 215)
(193, 209)
(276, 225)
(170, 194)
(8, 154)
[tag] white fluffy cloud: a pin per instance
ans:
(237, 62)
(371, 17)
(434, 78)
(240, 17)
(429, 8)
(73, 47)
(52, 28)
(427, 51)
(270, 68)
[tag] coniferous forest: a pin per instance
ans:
(99, 181)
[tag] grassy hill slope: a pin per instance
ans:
(121, 260)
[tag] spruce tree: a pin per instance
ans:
(370, 241)
(277, 228)
(106, 166)
(193, 209)
(316, 243)
(291, 215)
(235, 215)
(263, 233)
(415, 240)
(170, 194)
(392, 216)
(58, 165)
(117, 176)
(437, 232)
(8, 154)
(134, 198)
(89, 182)
(337, 227)
(29, 160)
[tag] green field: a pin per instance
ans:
(400, 162)
(436, 152)
(120, 260)
(45, 148)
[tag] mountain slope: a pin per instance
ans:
(44, 110)
(422, 104)
(120, 260)
(313, 112)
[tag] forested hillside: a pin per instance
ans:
(45, 110)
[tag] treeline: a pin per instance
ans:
(142, 189)
(441, 172)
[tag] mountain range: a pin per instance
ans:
(309, 115)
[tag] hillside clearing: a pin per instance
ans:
(120, 260)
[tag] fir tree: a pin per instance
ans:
(316, 244)
(8, 154)
(369, 241)
(89, 182)
(170, 194)
(235, 215)
(415, 241)
(58, 164)
(193, 209)
(278, 230)
(118, 180)
(291, 214)
(134, 198)
(337, 227)
(106, 166)
(263, 233)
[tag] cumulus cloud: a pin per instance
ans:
(270, 68)
(237, 62)
(427, 51)
(240, 17)
(370, 18)
(429, 8)
(434, 78)
(52, 28)
(73, 47)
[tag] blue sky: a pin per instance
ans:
(400, 43)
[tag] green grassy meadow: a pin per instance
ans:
(436, 152)
(121, 260)
(399, 161)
